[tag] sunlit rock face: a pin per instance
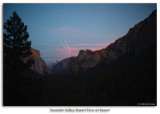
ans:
(40, 65)
(86, 59)
(142, 36)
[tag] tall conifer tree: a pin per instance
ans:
(16, 45)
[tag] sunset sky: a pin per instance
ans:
(61, 30)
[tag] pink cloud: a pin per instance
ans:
(77, 45)
(73, 50)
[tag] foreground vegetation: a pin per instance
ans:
(128, 81)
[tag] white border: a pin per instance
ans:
(42, 110)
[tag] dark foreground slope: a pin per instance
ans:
(21, 87)
(127, 82)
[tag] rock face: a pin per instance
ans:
(62, 66)
(142, 36)
(40, 65)
(86, 59)
(50, 65)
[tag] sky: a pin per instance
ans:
(60, 31)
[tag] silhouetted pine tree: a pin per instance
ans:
(16, 45)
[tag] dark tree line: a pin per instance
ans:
(16, 46)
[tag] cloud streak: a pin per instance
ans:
(73, 50)
(87, 44)
(68, 47)
(66, 50)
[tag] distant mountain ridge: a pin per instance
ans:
(142, 36)
(62, 66)
(51, 65)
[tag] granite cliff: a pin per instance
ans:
(62, 66)
(39, 64)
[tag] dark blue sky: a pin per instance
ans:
(61, 30)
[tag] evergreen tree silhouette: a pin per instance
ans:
(16, 45)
